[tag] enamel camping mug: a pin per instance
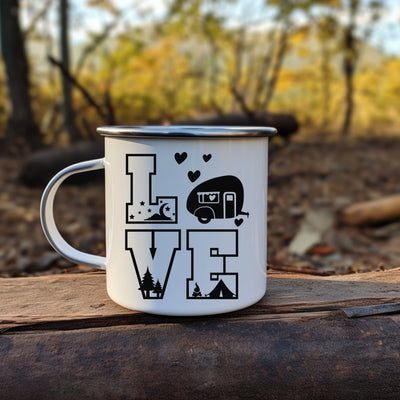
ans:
(186, 217)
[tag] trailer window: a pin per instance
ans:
(208, 197)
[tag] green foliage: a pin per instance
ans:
(196, 61)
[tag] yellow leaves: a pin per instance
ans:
(150, 84)
(379, 90)
(158, 75)
(392, 67)
(300, 35)
(303, 52)
(298, 41)
(106, 5)
(331, 3)
(286, 79)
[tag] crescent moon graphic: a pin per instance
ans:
(162, 211)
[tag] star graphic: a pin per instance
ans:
(142, 203)
(167, 208)
(131, 217)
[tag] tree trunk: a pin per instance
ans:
(325, 84)
(69, 114)
(21, 126)
(349, 64)
(275, 68)
(348, 70)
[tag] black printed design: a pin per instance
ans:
(152, 265)
(211, 273)
(220, 197)
(180, 157)
(193, 175)
(238, 221)
(141, 208)
(196, 291)
(210, 277)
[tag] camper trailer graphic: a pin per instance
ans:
(217, 198)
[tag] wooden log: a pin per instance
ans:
(372, 212)
(63, 338)
(41, 166)
(315, 358)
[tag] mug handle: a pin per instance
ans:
(47, 217)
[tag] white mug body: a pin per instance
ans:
(186, 223)
(186, 218)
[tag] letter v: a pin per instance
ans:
(152, 264)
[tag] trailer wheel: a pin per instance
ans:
(204, 220)
(204, 214)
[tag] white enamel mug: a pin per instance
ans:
(186, 217)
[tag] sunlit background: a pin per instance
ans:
(332, 64)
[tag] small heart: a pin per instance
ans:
(212, 197)
(207, 157)
(238, 221)
(180, 157)
(193, 175)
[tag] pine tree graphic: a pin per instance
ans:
(157, 289)
(147, 284)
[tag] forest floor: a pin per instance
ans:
(309, 175)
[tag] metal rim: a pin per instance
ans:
(186, 131)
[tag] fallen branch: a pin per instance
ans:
(372, 212)
(84, 92)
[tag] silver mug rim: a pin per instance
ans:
(186, 131)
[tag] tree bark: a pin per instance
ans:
(66, 74)
(348, 69)
(326, 84)
(349, 64)
(69, 114)
(275, 69)
(21, 126)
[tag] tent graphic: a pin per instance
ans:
(221, 291)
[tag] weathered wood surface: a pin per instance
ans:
(61, 337)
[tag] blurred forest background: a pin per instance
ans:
(69, 66)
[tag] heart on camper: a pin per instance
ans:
(238, 221)
(180, 157)
(193, 175)
(207, 157)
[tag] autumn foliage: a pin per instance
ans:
(199, 58)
